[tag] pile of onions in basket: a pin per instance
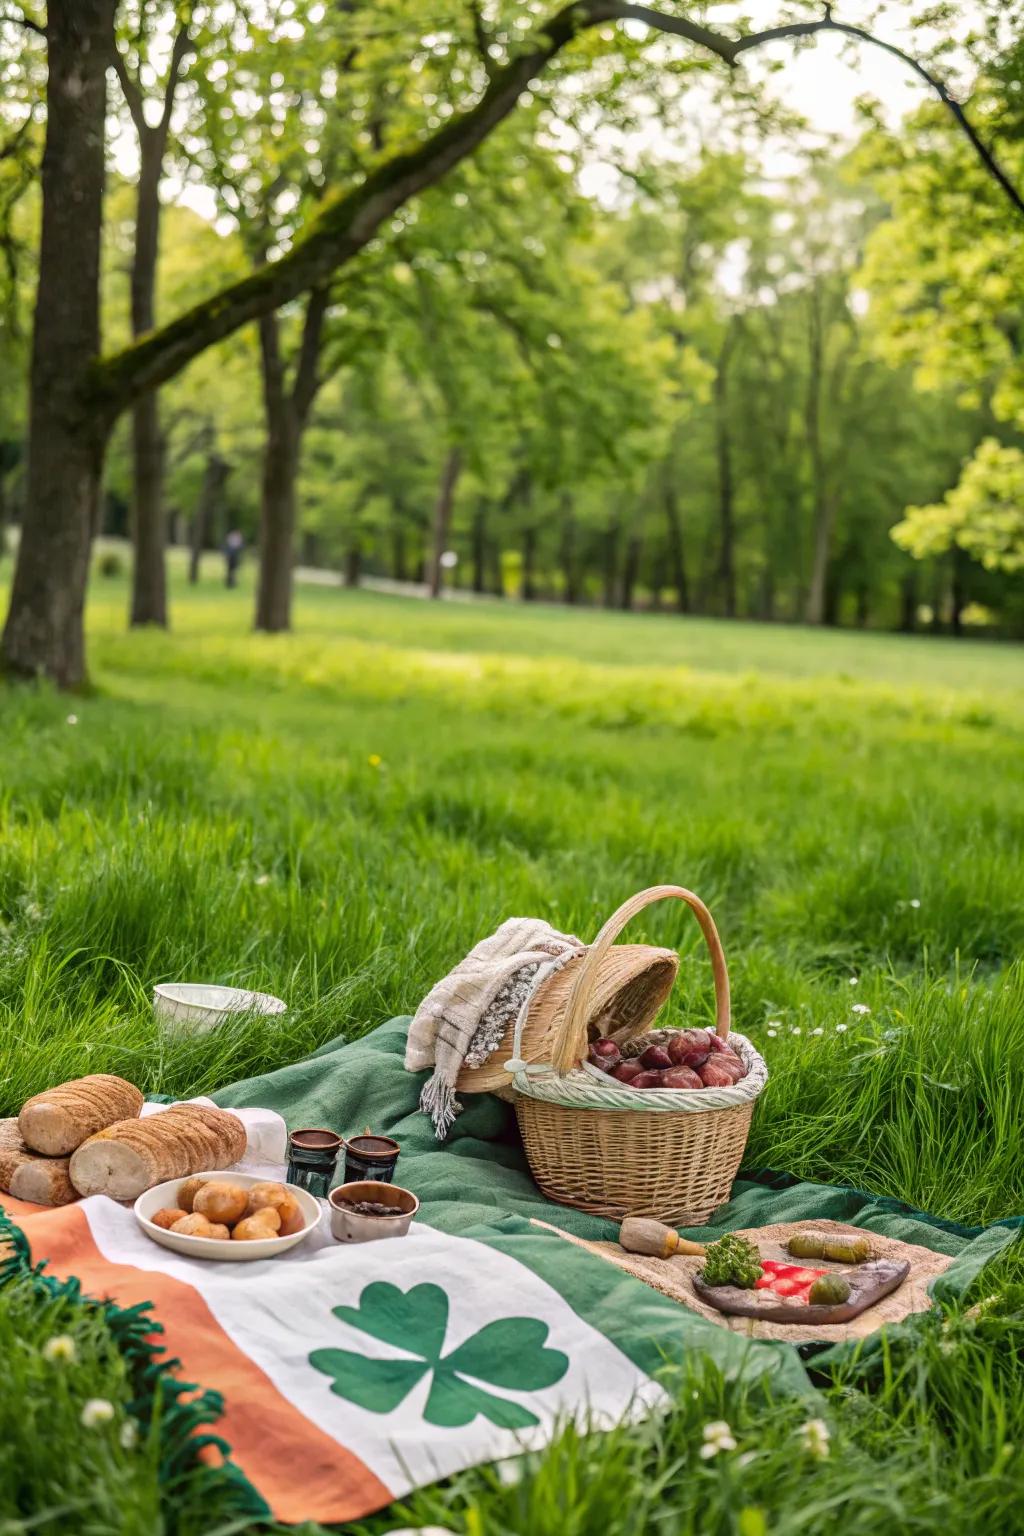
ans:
(691, 1058)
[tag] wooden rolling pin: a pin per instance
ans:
(641, 1234)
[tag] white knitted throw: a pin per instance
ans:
(464, 1017)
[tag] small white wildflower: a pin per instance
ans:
(913, 902)
(60, 1348)
(814, 1437)
(795, 1029)
(97, 1411)
(860, 1008)
(72, 720)
(422, 1530)
(774, 1023)
(262, 880)
(717, 1437)
(746, 1458)
(129, 1436)
(817, 1031)
(510, 1471)
(841, 1029)
(853, 981)
(772, 1034)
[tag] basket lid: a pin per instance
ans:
(632, 982)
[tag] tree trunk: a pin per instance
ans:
(497, 569)
(527, 589)
(957, 590)
(630, 571)
(44, 633)
(863, 605)
(723, 440)
(353, 563)
(443, 517)
(277, 524)
(3, 515)
(824, 502)
(676, 554)
(570, 564)
(908, 603)
(149, 522)
(210, 492)
(610, 574)
(399, 565)
(480, 546)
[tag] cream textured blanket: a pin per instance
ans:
(464, 1017)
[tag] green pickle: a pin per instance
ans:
(829, 1291)
(841, 1250)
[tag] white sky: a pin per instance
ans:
(821, 82)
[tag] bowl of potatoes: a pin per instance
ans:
(227, 1216)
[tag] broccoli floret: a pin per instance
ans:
(732, 1261)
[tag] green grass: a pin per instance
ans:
(848, 805)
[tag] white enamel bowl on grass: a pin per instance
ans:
(165, 1196)
(196, 1009)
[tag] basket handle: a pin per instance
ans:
(571, 1040)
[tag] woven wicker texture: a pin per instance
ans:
(634, 1161)
(677, 1168)
(629, 987)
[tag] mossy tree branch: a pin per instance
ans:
(350, 221)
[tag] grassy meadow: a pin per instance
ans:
(335, 816)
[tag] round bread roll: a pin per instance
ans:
(220, 1201)
(266, 1223)
(167, 1217)
(218, 1229)
(277, 1197)
(193, 1226)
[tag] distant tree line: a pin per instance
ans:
(402, 332)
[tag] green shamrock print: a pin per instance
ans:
(509, 1353)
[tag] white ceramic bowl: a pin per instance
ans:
(165, 1195)
(196, 1009)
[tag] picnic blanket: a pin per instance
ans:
(352, 1374)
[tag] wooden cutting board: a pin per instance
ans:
(868, 1283)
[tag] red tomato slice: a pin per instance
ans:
(784, 1287)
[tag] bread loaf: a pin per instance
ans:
(26, 1176)
(59, 1120)
(124, 1159)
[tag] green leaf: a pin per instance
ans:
(510, 1353)
(377, 1385)
(454, 1402)
(413, 1320)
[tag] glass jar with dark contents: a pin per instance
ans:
(370, 1157)
(313, 1160)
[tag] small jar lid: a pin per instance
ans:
(314, 1140)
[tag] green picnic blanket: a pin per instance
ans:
(477, 1184)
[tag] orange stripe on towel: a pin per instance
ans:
(302, 1473)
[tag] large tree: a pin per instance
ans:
(76, 396)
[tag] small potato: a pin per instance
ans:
(266, 1223)
(187, 1193)
(167, 1217)
(193, 1225)
(220, 1201)
(276, 1197)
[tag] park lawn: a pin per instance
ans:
(336, 815)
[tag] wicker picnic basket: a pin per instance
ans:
(616, 1151)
